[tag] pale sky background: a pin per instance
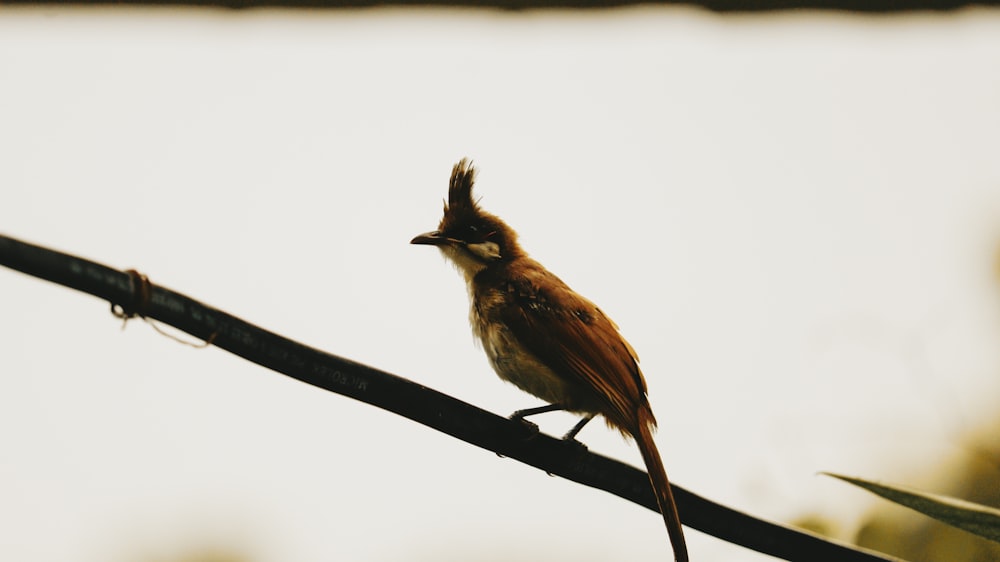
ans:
(794, 218)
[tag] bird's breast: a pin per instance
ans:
(511, 360)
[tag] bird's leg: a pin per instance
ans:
(521, 414)
(571, 434)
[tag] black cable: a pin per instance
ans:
(131, 293)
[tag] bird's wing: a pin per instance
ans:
(571, 336)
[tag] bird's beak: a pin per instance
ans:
(432, 238)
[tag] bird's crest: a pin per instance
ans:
(463, 176)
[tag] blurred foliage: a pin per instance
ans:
(977, 519)
(912, 536)
(918, 538)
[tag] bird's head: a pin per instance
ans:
(472, 238)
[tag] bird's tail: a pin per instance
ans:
(661, 486)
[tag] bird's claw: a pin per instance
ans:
(580, 445)
(530, 428)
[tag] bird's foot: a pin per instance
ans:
(530, 428)
(579, 445)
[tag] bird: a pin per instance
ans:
(545, 338)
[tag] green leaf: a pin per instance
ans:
(972, 517)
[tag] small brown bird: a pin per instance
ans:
(545, 338)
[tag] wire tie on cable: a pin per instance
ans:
(142, 296)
